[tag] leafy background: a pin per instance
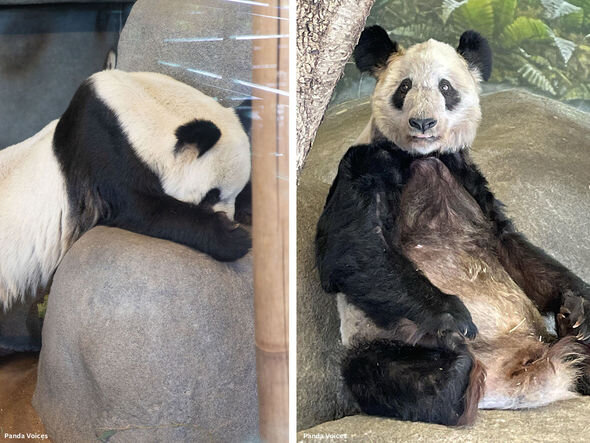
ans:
(541, 45)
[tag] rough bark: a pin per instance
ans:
(327, 31)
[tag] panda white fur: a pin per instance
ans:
(140, 151)
(439, 297)
(426, 64)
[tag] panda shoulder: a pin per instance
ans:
(368, 159)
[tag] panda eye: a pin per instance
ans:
(397, 99)
(444, 85)
(405, 85)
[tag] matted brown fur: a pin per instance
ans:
(444, 232)
(475, 392)
(447, 237)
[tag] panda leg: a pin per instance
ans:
(552, 286)
(548, 283)
(198, 227)
(393, 379)
(523, 372)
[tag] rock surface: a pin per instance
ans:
(147, 340)
(557, 423)
(534, 151)
(320, 392)
(194, 42)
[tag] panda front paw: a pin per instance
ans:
(574, 315)
(451, 324)
(229, 240)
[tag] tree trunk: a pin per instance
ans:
(327, 32)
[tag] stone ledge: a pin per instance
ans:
(557, 423)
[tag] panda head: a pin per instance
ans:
(214, 160)
(427, 97)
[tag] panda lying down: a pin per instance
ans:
(440, 298)
(139, 151)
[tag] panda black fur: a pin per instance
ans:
(440, 298)
(139, 151)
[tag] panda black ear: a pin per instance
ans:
(197, 134)
(373, 50)
(476, 50)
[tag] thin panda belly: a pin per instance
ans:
(445, 234)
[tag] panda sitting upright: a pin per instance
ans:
(440, 298)
(139, 151)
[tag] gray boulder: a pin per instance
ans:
(194, 42)
(147, 340)
(536, 154)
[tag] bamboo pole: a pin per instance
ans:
(270, 191)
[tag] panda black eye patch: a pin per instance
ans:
(450, 94)
(400, 93)
(211, 198)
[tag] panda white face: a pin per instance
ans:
(427, 97)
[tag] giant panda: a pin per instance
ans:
(440, 299)
(139, 151)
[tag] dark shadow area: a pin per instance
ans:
(46, 51)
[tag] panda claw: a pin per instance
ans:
(451, 326)
(229, 240)
(573, 314)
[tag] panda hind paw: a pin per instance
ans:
(574, 316)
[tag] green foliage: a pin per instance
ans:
(540, 41)
(581, 91)
(535, 39)
(540, 44)
(524, 30)
(585, 13)
(42, 307)
(503, 11)
(475, 14)
(535, 77)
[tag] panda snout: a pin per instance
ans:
(422, 124)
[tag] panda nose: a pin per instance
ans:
(422, 124)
